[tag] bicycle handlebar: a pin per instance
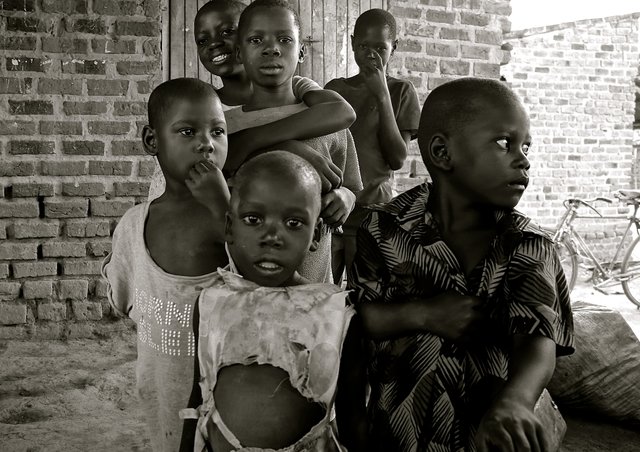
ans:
(568, 203)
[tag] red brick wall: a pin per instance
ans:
(577, 81)
(74, 79)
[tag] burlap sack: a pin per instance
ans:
(602, 378)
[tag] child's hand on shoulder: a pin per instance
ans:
(374, 77)
(336, 206)
(330, 174)
(207, 184)
(510, 426)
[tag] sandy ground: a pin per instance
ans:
(78, 395)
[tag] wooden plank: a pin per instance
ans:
(329, 41)
(305, 13)
(352, 14)
(190, 52)
(364, 5)
(166, 42)
(317, 56)
(342, 39)
(177, 38)
(376, 4)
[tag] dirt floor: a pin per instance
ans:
(78, 395)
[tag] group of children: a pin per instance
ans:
(455, 307)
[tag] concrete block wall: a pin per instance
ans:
(74, 79)
(578, 82)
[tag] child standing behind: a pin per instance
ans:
(215, 31)
(387, 112)
(269, 343)
(269, 48)
(464, 298)
(166, 251)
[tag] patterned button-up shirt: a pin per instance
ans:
(427, 393)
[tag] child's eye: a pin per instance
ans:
(362, 46)
(187, 132)
(504, 143)
(218, 131)
(251, 220)
(254, 40)
(525, 148)
(201, 42)
(294, 223)
(286, 40)
(228, 32)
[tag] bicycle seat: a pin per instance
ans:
(629, 195)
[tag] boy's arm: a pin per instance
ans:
(209, 187)
(510, 423)
(195, 399)
(351, 413)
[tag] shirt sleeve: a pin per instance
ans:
(116, 270)
(368, 278)
(302, 85)
(407, 111)
(537, 295)
(351, 172)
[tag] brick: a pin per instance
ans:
(91, 67)
(18, 251)
(127, 148)
(146, 168)
(486, 70)
(475, 52)
(457, 34)
(84, 108)
(86, 310)
(409, 45)
(29, 230)
(17, 169)
(18, 43)
(59, 86)
(131, 188)
(99, 249)
(37, 289)
(144, 87)
(27, 64)
(126, 28)
(83, 147)
(107, 87)
(13, 314)
(458, 67)
(110, 168)
(76, 289)
(489, 37)
(434, 2)
(108, 127)
(151, 47)
(18, 5)
(421, 64)
(66, 209)
(84, 25)
(30, 107)
(81, 267)
(438, 16)
(116, 47)
(60, 128)
(19, 209)
(12, 85)
(64, 249)
(129, 108)
(83, 189)
(64, 45)
(502, 8)
(101, 289)
(63, 168)
(406, 13)
(115, 7)
(151, 8)
(479, 20)
(9, 290)
(31, 190)
(420, 29)
(4, 271)
(10, 127)
(34, 269)
(54, 312)
(65, 6)
(30, 24)
(445, 50)
(137, 67)
(31, 147)
(3, 231)
(88, 229)
(109, 208)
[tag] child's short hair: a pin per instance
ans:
(165, 94)
(452, 105)
(246, 14)
(375, 18)
(235, 6)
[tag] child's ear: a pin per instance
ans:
(228, 236)
(149, 141)
(439, 153)
(303, 53)
(394, 46)
(316, 236)
(238, 55)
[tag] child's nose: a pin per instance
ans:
(271, 48)
(272, 236)
(206, 145)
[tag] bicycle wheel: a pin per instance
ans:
(569, 260)
(631, 271)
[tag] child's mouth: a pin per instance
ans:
(221, 58)
(271, 70)
(269, 267)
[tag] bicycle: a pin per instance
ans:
(570, 246)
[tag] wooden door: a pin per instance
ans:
(326, 27)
